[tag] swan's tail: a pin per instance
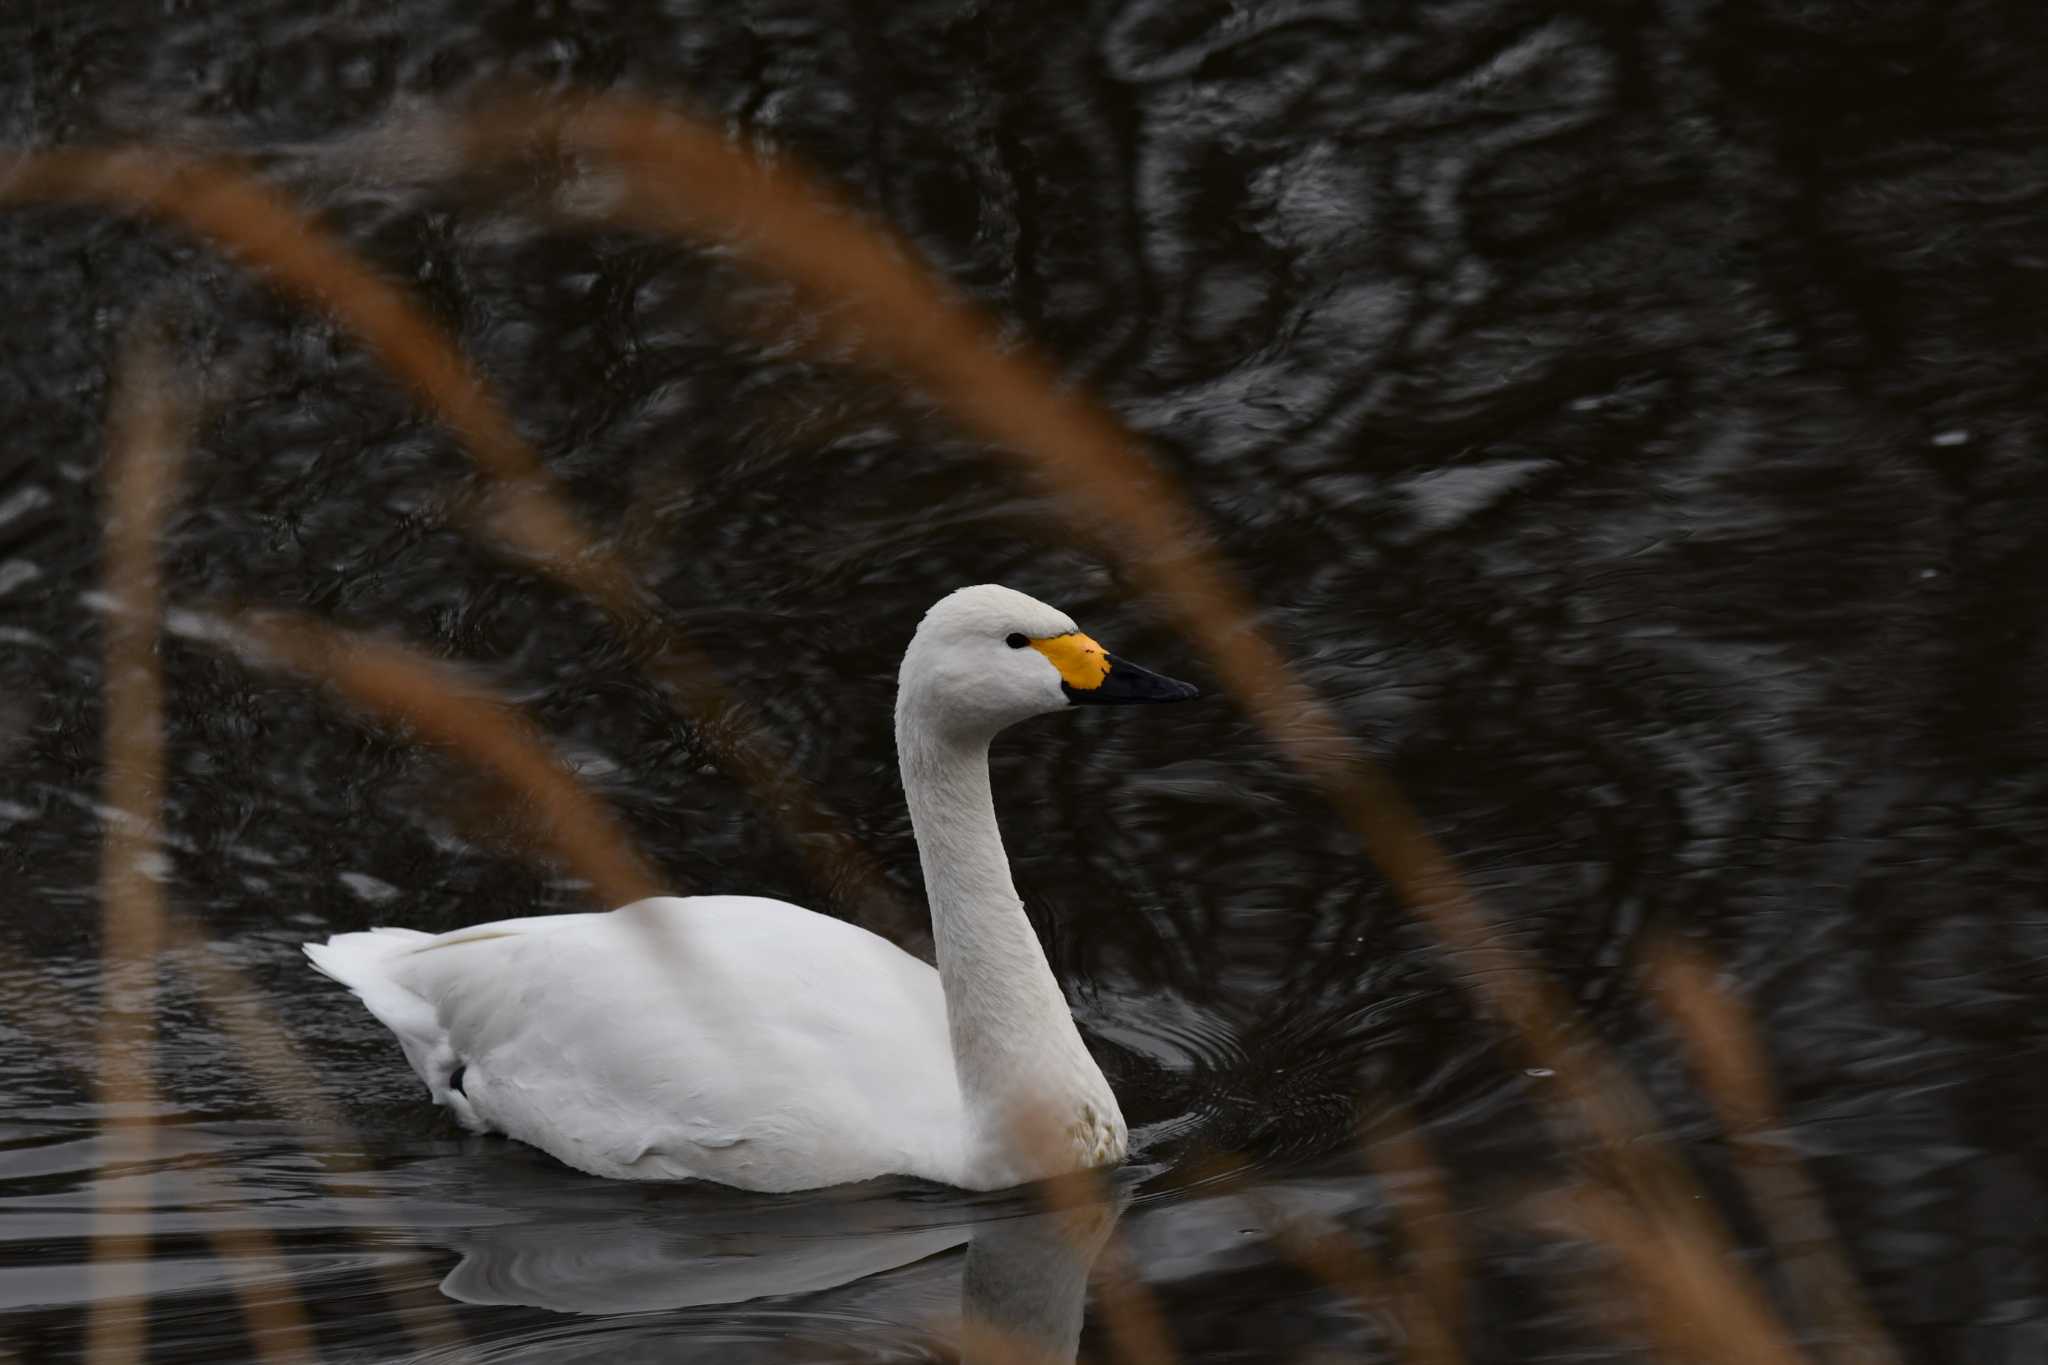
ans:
(357, 960)
(362, 962)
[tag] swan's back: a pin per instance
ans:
(735, 1038)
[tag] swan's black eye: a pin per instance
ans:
(1016, 640)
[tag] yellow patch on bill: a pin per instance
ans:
(1082, 663)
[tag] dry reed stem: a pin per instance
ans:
(1689, 1302)
(278, 1327)
(265, 1046)
(224, 203)
(1433, 1290)
(402, 685)
(1137, 1327)
(1332, 1257)
(1723, 1047)
(1325, 1254)
(684, 177)
(261, 1041)
(285, 1319)
(144, 447)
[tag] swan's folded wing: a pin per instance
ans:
(739, 1039)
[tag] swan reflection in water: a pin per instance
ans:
(1019, 1292)
(1024, 1286)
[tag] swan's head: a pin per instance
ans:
(986, 657)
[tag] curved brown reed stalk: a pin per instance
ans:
(280, 1331)
(402, 685)
(1325, 1252)
(219, 200)
(224, 203)
(1137, 1328)
(146, 444)
(1688, 1303)
(1432, 1292)
(1334, 1258)
(1722, 1044)
(144, 448)
(262, 1042)
(684, 177)
(265, 1046)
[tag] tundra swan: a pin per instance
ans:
(750, 1042)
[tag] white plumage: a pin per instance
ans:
(751, 1042)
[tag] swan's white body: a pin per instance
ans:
(754, 1043)
(733, 1038)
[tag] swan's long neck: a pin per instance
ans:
(1024, 1075)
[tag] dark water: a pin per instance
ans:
(1628, 415)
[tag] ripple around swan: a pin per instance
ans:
(510, 1242)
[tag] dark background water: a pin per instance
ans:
(1628, 415)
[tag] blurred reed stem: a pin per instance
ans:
(405, 686)
(264, 1046)
(1137, 1327)
(145, 444)
(259, 1040)
(1687, 1302)
(1325, 1252)
(278, 1327)
(1431, 1292)
(1727, 1054)
(148, 436)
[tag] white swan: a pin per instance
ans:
(753, 1043)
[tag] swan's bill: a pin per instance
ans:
(1090, 675)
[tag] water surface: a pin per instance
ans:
(1627, 417)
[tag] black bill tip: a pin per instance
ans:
(1126, 684)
